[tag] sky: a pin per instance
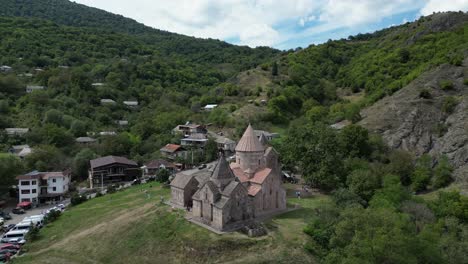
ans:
(282, 24)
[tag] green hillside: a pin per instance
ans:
(205, 51)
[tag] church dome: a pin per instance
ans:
(249, 142)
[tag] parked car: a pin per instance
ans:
(6, 250)
(17, 241)
(18, 210)
(5, 215)
(61, 206)
(25, 205)
(10, 246)
(201, 167)
(8, 227)
(5, 257)
(2, 221)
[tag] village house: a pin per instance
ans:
(173, 151)
(21, 151)
(151, 168)
(41, 187)
(112, 169)
(107, 101)
(131, 104)
(225, 144)
(189, 129)
(107, 133)
(269, 136)
(122, 122)
(233, 195)
(32, 88)
(16, 131)
(210, 107)
(85, 140)
(5, 68)
(197, 140)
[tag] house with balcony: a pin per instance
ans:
(42, 187)
(189, 129)
(112, 169)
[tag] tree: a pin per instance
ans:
(363, 182)
(442, 173)
(211, 150)
(219, 117)
(162, 175)
(10, 167)
(401, 163)
(46, 158)
(314, 148)
(54, 116)
(57, 136)
(355, 141)
(274, 69)
(81, 163)
(78, 128)
(422, 173)
(404, 55)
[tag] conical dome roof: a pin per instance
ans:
(249, 142)
(222, 170)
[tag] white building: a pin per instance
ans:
(40, 187)
(210, 107)
(32, 88)
(131, 103)
(16, 131)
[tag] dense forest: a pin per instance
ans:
(377, 214)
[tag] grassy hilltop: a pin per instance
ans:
(127, 227)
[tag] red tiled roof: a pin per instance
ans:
(254, 189)
(260, 176)
(171, 148)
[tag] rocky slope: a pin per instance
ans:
(408, 121)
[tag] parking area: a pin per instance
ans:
(16, 218)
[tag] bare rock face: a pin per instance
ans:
(410, 122)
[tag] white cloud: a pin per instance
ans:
(265, 22)
(447, 5)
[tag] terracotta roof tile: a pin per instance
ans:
(260, 176)
(254, 189)
(171, 148)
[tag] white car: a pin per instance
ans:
(2, 221)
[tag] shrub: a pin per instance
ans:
(465, 81)
(162, 175)
(77, 199)
(442, 173)
(449, 104)
(425, 94)
(112, 188)
(446, 85)
(52, 216)
(33, 234)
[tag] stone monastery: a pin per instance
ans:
(234, 195)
